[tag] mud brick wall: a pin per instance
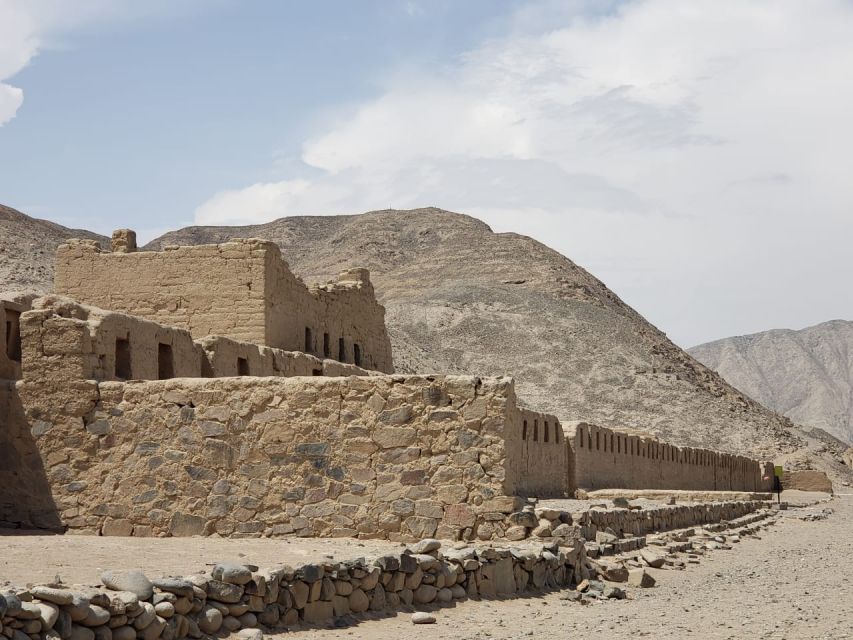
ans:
(607, 459)
(63, 340)
(381, 456)
(12, 305)
(538, 459)
(225, 357)
(241, 289)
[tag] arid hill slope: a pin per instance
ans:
(462, 298)
(806, 375)
(27, 246)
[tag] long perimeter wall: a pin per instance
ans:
(607, 459)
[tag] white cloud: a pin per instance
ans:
(413, 9)
(28, 26)
(666, 145)
(18, 44)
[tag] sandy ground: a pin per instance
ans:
(26, 559)
(80, 559)
(794, 582)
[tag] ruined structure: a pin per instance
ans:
(241, 289)
(204, 390)
(11, 307)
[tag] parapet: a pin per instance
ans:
(610, 459)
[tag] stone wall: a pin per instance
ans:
(229, 597)
(25, 493)
(607, 459)
(241, 289)
(538, 460)
(639, 522)
(380, 456)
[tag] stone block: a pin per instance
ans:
(318, 611)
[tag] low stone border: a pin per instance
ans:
(233, 597)
(639, 522)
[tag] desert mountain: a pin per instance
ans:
(806, 375)
(27, 246)
(461, 298)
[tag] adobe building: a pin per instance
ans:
(241, 289)
(206, 390)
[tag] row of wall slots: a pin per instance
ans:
(124, 370)
(166, 362)
(536, 431)
(327, 348)
(666, 453)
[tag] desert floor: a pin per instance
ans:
(793, 582)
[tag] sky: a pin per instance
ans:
(695, 156)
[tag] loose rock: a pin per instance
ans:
(421, 617)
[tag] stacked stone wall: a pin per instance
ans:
(607, 459)
(25, 492)
(231, 596)
(640, 522)
(241, 289)
(380, 456)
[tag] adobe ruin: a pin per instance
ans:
(206, 390)
(241, 289)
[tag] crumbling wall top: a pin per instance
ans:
(123, 241)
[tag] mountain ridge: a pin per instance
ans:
(21, 234)
(806, 374)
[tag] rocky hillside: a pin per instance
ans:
(461, 298)
(806, 375)
(26, 249)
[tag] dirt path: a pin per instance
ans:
(793, 583)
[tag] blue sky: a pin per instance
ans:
(693, 155)
(140, 121)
